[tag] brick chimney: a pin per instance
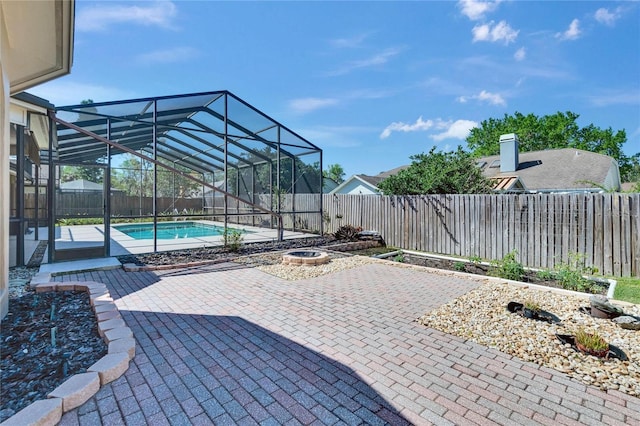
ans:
(508, 153)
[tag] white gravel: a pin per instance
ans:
(481, 316)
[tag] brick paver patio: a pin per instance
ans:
(228, 344)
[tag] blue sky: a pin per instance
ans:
(370, 83)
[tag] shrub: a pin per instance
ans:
(347, 232)
(570, 274)
(459, 266)
(508, 268)
(545, 275)
(399, 258)
(233, 238)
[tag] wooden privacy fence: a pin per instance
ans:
(544, 229)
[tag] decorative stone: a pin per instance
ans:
(117, 333)
(105, 307)
(104, 316)
(40, 413)
(77, 390)
(42, 288)
(110, 367)
(126, 345)
(104, 326)
(627, 322)
(603, 304)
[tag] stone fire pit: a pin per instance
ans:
(305, 257)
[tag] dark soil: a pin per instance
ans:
(486, 270)
(215, 253)
(30, 366)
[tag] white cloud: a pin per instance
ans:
(336, 136)
(501, 32)
(603, 16)
(615, 98)
(349, 42)
(458, 129)
(377, 59)
(520, 54)
(399, 126)
(305, 105)
(484, 96)
(572, 33)
(98, 18)
(475, 10)
(61, 92)
(176, 54)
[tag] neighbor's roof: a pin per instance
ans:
(566, 168)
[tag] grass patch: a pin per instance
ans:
(628, 289)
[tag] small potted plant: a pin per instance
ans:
(591, 343)
(531, 309)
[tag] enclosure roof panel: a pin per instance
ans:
(193, 127)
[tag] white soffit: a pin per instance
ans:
(40, 41)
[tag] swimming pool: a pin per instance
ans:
(171, 230)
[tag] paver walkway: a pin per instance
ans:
(229, 344)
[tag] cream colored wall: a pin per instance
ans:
(4, 175)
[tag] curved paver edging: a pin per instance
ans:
(77, 389)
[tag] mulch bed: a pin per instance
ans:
(31, 366)
(485, 270)
(217, 253)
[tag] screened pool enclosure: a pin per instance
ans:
(203, 158)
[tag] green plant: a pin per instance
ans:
(570, 274)
(232, 238)
(545, 275)
(459, 266)
(476, 260)
(399, 258)
(347, 232)
(508, 267)
(532, 306)
(591, 341)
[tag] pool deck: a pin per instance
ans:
(72, 237)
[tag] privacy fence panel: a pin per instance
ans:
(545, 229)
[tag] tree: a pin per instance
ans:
(632, 173)
(92, 174)
(135, 177)
(559, 130)
(334, 172)
(438, 173)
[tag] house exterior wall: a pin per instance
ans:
(4, 175)
(36, 45)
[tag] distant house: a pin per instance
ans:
(553, 170)
(549, 171)
(81, 185)
(364, 184)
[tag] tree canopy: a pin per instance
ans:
(559, 130)
(334, 172)
(438, 173)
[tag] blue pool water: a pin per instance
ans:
(170, 230)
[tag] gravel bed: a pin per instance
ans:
(272, 264)
(481, 316)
